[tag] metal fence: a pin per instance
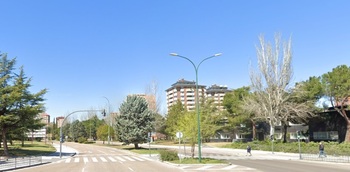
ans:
(327, 158)
(19, 162)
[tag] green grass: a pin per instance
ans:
(145, 150)
(195, 161)
(29, 149)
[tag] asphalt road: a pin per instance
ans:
(93, 158)
(293, 166)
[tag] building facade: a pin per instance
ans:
(45, 118)
(185, 91)
(217, 93)
(59, 121)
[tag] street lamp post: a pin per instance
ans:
(61, 133)
(109, 111)
(197, 98)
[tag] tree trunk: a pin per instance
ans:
(347, 135)
(4, 141)
(254, 129)
(342, 112)
(136, 145)
(192, 150)
(272, 129)
(285, 126)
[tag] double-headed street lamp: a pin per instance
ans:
(197, 98)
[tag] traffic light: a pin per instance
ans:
(271, 137)
(104, 112)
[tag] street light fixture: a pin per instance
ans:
(197, 98)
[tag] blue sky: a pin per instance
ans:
(84, 50)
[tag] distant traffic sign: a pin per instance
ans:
(179, 135)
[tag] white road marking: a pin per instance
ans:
(204, 167)
(120, 159)
(103, 159)
(229, 167)
(139, 159)
(183, 167)
(86, 159)
(128, 158)
(94, 159)
(68, 160)
(76, 159)
(112, 159)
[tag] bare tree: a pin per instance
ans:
(153, 97)
(270, 84)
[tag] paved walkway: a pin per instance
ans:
(7, 164)
(232, 154)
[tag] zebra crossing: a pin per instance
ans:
(105, 159)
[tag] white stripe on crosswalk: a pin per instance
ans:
(103, 159)
(94, 159)
(148, 159)
(112, 159)
(120, 159)
(128, 158)
(86, 160)
(139, 159)
(183, 167)
(229, 167)
(205, 167)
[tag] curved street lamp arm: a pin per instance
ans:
(195, 67)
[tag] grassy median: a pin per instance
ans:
(34, 148)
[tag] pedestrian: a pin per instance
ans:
(249, 149)
(321, 150)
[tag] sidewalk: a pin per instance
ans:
(7, 164)
(232, 154)
(66, 151)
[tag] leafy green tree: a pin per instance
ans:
(337, 88)
(16, 101)
(159, 123)
(176, 112)
(210, 119)
(135, 121)
(91, 125)
(188, 126)
(102, 132)
(78, 130)
(233, 103)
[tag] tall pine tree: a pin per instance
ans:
(135, 121)
(18, 106)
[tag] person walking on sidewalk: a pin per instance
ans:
(249, 149)
(321, 149)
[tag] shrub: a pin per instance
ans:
(82, 139)
(168, 155)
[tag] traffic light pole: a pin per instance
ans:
(61, 134)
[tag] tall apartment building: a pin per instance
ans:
(217, 93)
(185, 91)
(59, 121)
(45, 118)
